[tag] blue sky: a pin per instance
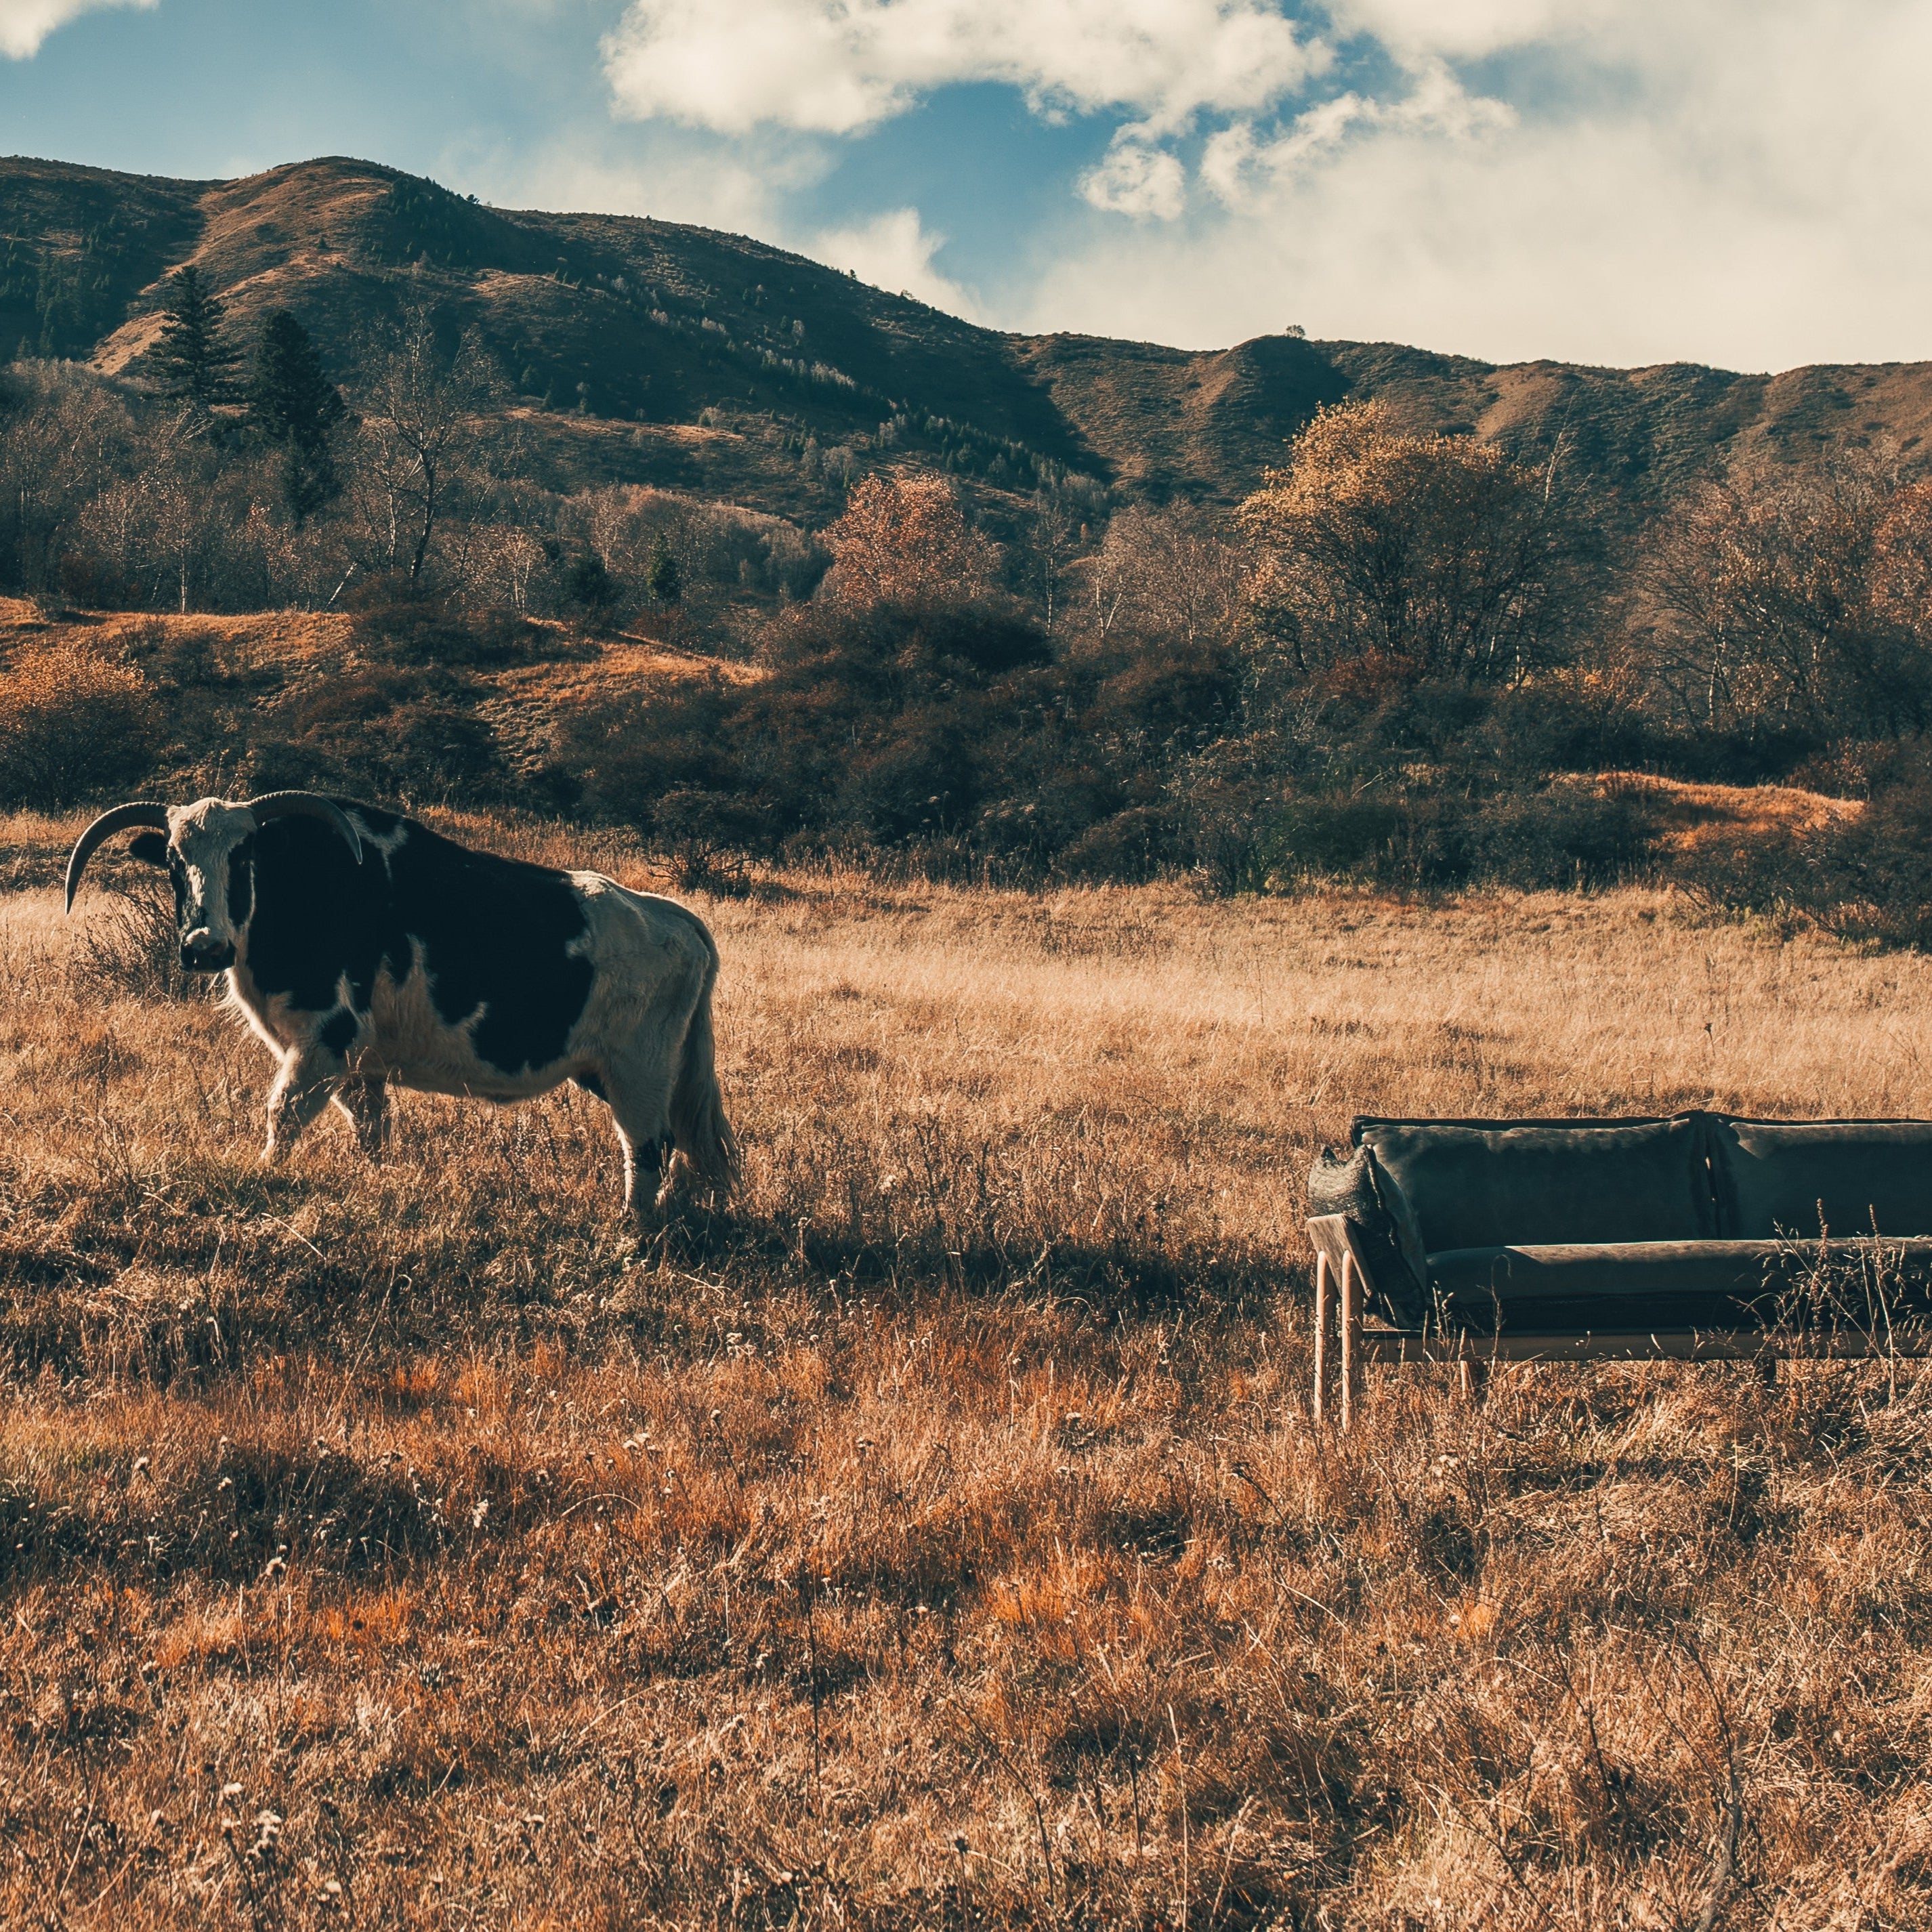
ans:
(1746, 182)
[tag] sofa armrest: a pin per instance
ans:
(1336, 1240)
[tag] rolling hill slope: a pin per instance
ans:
(649, 352)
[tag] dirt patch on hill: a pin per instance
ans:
(1703, 821)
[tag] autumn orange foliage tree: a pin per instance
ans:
(904, 540)
(1434, 556)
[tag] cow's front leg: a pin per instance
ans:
(366, 1102)
(307, 1083)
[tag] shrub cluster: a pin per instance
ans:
(1439, 783)
(381, 730)
(402, 717)
(951, 732)
(1544, 837)
(72, 724)
(1866, 876)
(396, 624)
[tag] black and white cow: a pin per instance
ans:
(366, 949)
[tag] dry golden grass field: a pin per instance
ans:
(939, 1538)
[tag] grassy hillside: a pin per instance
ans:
(620, 334)
(941, 1537)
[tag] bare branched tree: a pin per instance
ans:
(61, 435)
(421, 428)
(1179, 573)
(1798, 600)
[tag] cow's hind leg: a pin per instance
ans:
(366, 1102)
(639, 1098)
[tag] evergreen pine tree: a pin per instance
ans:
(587, 581)
(292, 406)
(662, 577)
(190, 362)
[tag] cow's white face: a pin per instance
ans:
(213, 888)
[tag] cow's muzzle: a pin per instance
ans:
(201, 954)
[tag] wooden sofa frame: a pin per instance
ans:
(1343, 1283)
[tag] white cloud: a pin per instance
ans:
(894, 251)
(1746, 182)
(24, 24)
(1240, 169)
(1136, 179)
(837, 66)
(1468, 29)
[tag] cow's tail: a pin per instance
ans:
(706, 1150)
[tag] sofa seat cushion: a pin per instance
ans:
(1474, 1185)
(1779, 1177)
(1648, 1287)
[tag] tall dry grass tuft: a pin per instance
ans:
(941, 1538)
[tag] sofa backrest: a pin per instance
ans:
(1782, 1177)
(1489, 1184)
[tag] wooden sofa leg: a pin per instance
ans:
(1325, 1320)
(1352, 1341)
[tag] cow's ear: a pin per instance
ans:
(150, 848)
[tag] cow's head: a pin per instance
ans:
(209, 850)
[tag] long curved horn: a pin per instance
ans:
(307, 804)
(142, 812)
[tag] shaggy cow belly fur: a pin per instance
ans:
(404, 1039)
(400, 1038)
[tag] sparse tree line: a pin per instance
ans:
(237, 477)
(1387, 663)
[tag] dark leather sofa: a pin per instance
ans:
(1700, 1235)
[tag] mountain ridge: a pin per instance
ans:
(644, 351)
